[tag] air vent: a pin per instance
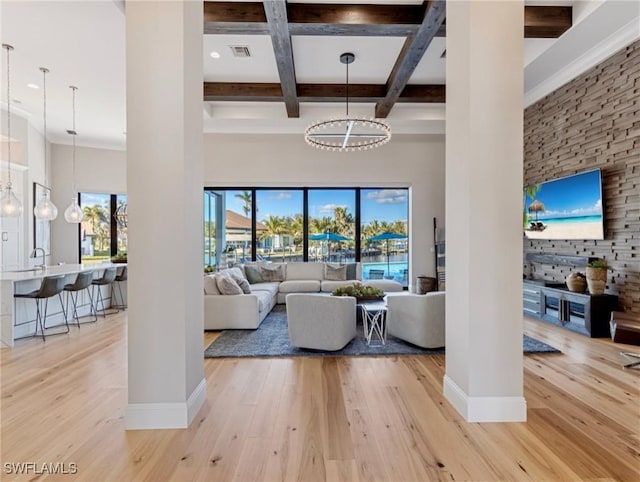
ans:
(240, 50)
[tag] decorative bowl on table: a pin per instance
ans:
(360, 292)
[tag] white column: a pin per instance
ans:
(484, 157)
(164, 184)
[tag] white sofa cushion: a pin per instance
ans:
(264, 300)
(252, 272)
(238, 276)
(274, 272)
(211, 285)
(271, 288)
(305, 271)
(336, 272)
(228, 286)
(300, 286)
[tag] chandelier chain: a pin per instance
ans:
(44, 110)
(347, 89)
(73, 105)
(9, 49)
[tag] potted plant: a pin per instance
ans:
(360, 292)
(597, 275)
(119, 258)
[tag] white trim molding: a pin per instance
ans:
(145, 416)
(603, 50)
(485, 409)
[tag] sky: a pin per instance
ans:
(381, 204)
(578, 195)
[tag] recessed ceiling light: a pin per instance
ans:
(215, 55)
(33, 86)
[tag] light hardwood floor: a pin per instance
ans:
(309, 419)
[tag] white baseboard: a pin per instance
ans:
(146, 416)
(485, 409)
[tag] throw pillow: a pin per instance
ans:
(210, 285)
(228, 286)
(242, 283)
(272, 273)
(254, 275)
(334, 272)
(352, 271)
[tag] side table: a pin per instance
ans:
(374, 320)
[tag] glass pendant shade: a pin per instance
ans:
(10, 206)
(45, 210)
(73, 214)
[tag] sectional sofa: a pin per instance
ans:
(268, 284)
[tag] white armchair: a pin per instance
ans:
(418, 319)
(321, 322)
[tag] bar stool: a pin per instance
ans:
(82, 282)
(120, 277)
(51, 286)
(108, 277)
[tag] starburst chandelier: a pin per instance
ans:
(348, 133)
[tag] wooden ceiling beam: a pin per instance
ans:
(248, 18)
(235, 18)
(546, 22)
(272, 92)
(276, 13)
(410, 55)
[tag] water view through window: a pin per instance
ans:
(338, 225)
(103, 230)
(384, 246)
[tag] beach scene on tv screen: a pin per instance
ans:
(565, 208)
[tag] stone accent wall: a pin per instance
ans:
(593, 122)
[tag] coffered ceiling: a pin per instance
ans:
(399, 72)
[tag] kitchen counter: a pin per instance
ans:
(37, 273)
(17, 316)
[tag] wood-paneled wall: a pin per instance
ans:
(593, 122)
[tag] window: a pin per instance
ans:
(332, 225)
(384, 246)
(103, 231)
(210, 229)
(280, 226)
(310, 224)
(236, 223)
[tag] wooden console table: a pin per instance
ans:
(580, 312)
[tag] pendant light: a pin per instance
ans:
(44, 209)
(73, 214)
(348, 133)
(10, 205)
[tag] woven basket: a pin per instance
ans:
(596, 280)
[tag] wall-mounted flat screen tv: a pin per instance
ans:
(565, 208)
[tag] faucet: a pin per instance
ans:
(33, 255)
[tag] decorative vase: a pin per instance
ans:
(576, 283)
(596, 280)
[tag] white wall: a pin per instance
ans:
(416, 162)
(97, 170)
(27, 156)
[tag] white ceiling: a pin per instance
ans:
(83, 43)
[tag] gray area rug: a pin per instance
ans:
(272, 339)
